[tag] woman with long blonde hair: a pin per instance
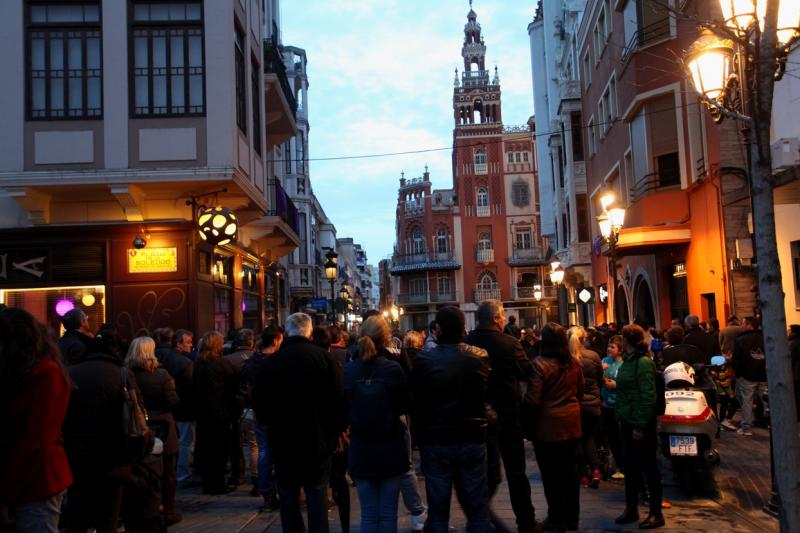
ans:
(160, 398)
(591, 406)
(377, 395)
(215, 391)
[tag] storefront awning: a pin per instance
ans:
(648, 239)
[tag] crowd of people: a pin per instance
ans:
(295, 412)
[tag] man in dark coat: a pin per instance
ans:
(510, 367)
(512, 328)
(449, 389)
(76, 337)
(95, 439)
(697, 336)
(298, 395)
(750, 365)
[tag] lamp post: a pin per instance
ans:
(557, 277)
(537, 295)
(344, 296)
(331, 273)
(611, 222)
(734, 66)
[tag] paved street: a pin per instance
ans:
(743, 478)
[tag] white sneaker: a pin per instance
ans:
(418, 521)
(727, 424)
(745, 432)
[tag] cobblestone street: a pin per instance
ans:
(743, 479)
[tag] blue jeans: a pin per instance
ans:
(266, 483)
(745, 392)
(462, 465)
(316, 491)
(40, 516)
(378, 498)
(186, 436)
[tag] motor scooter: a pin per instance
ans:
(687, 429)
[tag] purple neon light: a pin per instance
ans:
(64, 306)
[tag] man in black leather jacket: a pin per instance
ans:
(510, 367)
(449, 384)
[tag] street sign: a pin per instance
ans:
(319, 304)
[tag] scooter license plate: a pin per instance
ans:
(682, 445)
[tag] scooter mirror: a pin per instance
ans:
(718, 360)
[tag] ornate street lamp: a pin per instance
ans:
(611, 222)
(344, 296)
(557, 276)
(537, 292)
(739, 84)
(331, 273)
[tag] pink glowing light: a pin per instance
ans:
(64, 306)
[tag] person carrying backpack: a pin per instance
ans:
(376, 392)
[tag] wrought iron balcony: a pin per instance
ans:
(484, 255)
(528, 256)
(654, 181)
(273, 64)
(647, 35)
(427, 297)
(424, 261)
(483, 292)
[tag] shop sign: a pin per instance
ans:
(585, 295)
(152, 260)
(319, 304)
(603, 291)
(679, 270)
(22, 266)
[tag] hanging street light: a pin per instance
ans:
(557, 276)
(217, 225)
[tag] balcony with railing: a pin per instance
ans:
(481, 168)
(277, 232)
(655, 181)
(427, 297)
(482, 211)
(528, 292)
(484, 255)
(472, 78)
(528, 256)
(645, 36)
(281, 105)
(486, 292)
(421, 261)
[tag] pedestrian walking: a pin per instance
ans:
(750, 366)
(271, 340)
(160, 398)
(35, 390)
(555, 393)
(376, 389)
(298, 395)
(95, 439)
(77, 336)
(591, 406)
(510, 369)
(215, 393)
(636, 412)
(449, 384)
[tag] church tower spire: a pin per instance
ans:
(476, 100)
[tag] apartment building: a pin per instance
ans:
(123, 121)
(561, 155)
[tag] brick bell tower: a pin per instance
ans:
(478, 173)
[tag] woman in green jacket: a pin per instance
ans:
(636, 412)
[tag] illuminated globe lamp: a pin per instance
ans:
(740, 16)
(708, 61)
(537, 292)
(218, 226)
(557, 276)
(64, 306)
(88, 299)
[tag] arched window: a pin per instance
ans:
(417, 241)
(441, 241)
(487, 281)
(483, 197)
(484, 241)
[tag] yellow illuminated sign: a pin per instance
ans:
(150, 260)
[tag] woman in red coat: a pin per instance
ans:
(35, 390)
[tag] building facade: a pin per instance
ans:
(480, 239)
(124, 120)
